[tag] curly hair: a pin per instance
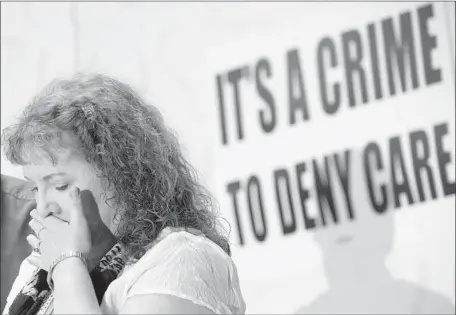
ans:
(152, 186)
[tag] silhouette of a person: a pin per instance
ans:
(354, 255)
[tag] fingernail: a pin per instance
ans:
(76, 192)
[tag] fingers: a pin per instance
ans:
(34, 214)
(33, 241)
(34, 260)
(36, 226)
(76, 208)
(35, 257)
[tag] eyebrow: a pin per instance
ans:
(47, 177)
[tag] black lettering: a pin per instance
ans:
(330, 107)
(374, 61)
(263, 66)
(118, 260)
(421, 162)
(296, 86)
(233, 189)
(118, 266)
(397, 49)
(353, 65)
(282, 180)
(254, 184)
(398, 168)
(428, 43)
(343, 171)
(324, 191)
(372, 150)
(234, 77)
(221, 101)
(309, 222)
(444, 158)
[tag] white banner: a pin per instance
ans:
(335, 162)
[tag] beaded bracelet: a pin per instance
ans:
(59, 260)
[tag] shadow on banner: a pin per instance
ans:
(354, 257)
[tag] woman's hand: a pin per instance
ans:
(85, 232)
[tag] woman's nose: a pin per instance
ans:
(46, 206)
(43, 209)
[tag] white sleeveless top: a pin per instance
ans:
(180, 264)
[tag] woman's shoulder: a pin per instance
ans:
(190, 266)
(177, 246)
(184, 255)
(180, 248)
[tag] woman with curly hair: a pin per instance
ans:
(121, 224)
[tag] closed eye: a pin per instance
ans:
(62, 188)
(34, 189)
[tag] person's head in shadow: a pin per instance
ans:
(355, 251)
(354, 259)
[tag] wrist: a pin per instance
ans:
(67, 267)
